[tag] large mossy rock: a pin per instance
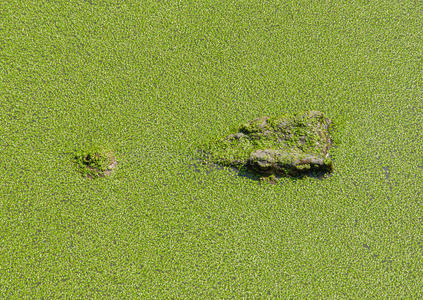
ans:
(289, 145)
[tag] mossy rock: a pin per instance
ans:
(289, 145)
(95, 162)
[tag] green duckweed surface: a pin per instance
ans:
(153, 81)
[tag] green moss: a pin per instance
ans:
(304, 167)
(272, 179)
(94, 162)
(329, 164)
(254, 126)
(292, 136)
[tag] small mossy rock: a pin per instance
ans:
(289, 145)
(95, 163)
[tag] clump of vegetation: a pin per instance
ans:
(95, 162)
(289, 145)
(272, 179)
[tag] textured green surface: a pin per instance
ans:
(154, 80)
(275, 145)
(93, 162)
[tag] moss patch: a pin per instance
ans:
(288, 145)
(95, 162)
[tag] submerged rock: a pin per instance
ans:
(289, 145)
